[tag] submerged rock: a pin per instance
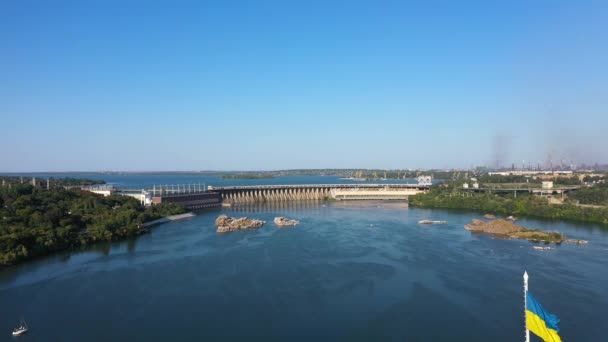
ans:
(283, 221)
(226, 224)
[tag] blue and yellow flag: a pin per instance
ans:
(539, 321)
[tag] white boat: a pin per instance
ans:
(22, 329)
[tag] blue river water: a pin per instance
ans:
(362, 271)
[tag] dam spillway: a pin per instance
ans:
(277, 193)
(197, 197)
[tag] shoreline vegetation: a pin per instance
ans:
(36, 222)
(52, 181)
(449, 196)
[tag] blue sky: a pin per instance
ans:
(249, 85)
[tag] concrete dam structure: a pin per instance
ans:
(193, 200)
(277, 193)
(195, 196)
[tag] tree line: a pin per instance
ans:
(35, 221)
(595, 195)
(51, 181)
(449, 196)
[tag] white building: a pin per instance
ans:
(144, 197)
(425, 180)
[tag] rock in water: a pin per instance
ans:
(432, 222)
(494, 227)
(475, 225)
(283, 221)
(509, 229)
(489, 216)
(226, 224)
(221, 220)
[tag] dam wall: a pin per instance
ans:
(275, 195)
(279, 193)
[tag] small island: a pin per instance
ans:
(284, 222)
(511, 230)
(227, 224)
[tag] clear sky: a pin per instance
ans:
(249, 85)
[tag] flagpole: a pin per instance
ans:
(526, 305)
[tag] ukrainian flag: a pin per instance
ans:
(541, 322)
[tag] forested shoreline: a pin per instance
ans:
(450, 197)
(36, 221)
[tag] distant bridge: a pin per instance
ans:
(292, 192)
(535, 191)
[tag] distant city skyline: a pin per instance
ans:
(274, 85)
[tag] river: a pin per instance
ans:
(363, 271)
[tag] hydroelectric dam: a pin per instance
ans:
(197, 196)
(273, 193)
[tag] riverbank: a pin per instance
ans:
(141, 229)
(168, 219)
(37, 221)
(522, 205)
